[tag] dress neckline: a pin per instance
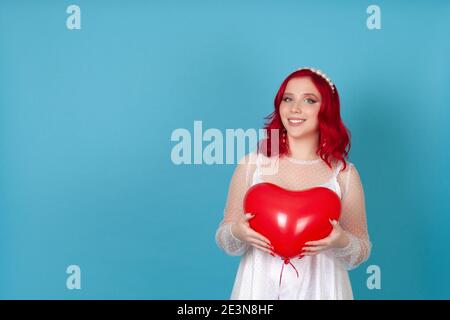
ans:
(302, 161)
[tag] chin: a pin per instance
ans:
(296, 136)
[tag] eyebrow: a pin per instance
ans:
(305, 94)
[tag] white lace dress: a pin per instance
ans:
(323, 276)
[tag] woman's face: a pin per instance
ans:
(301, 100)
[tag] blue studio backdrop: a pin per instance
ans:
(87, 114)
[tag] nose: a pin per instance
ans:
(296, 107)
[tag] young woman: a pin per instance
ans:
(312, 145)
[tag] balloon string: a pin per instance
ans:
(286, 261)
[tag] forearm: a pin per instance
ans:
(355, 252)
(228, 242)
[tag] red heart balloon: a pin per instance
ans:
(290, 218)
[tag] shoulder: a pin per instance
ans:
(344, 172)
(248, 163)
(246, 166)
(248, 159)
(342, 168)
(258, 161)
(255, 158)
(349, 176)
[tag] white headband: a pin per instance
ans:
(323, 75)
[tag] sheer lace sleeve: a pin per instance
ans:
(353, 220)
(240, 182)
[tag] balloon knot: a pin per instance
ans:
(287, 261)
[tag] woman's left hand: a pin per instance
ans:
(336, 239)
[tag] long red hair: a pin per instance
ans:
(334, 137)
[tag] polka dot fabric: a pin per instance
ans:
(323, 276)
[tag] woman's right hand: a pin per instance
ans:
(241, 229)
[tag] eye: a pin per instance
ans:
(287, 99)
(310, 101)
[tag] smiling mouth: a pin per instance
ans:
(296, 121)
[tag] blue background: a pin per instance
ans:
(86, 118)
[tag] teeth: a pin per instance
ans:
(296, 121)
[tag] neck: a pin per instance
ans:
(304, 148)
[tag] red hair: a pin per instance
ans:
(334, 137)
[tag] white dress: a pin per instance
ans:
(323, 276)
